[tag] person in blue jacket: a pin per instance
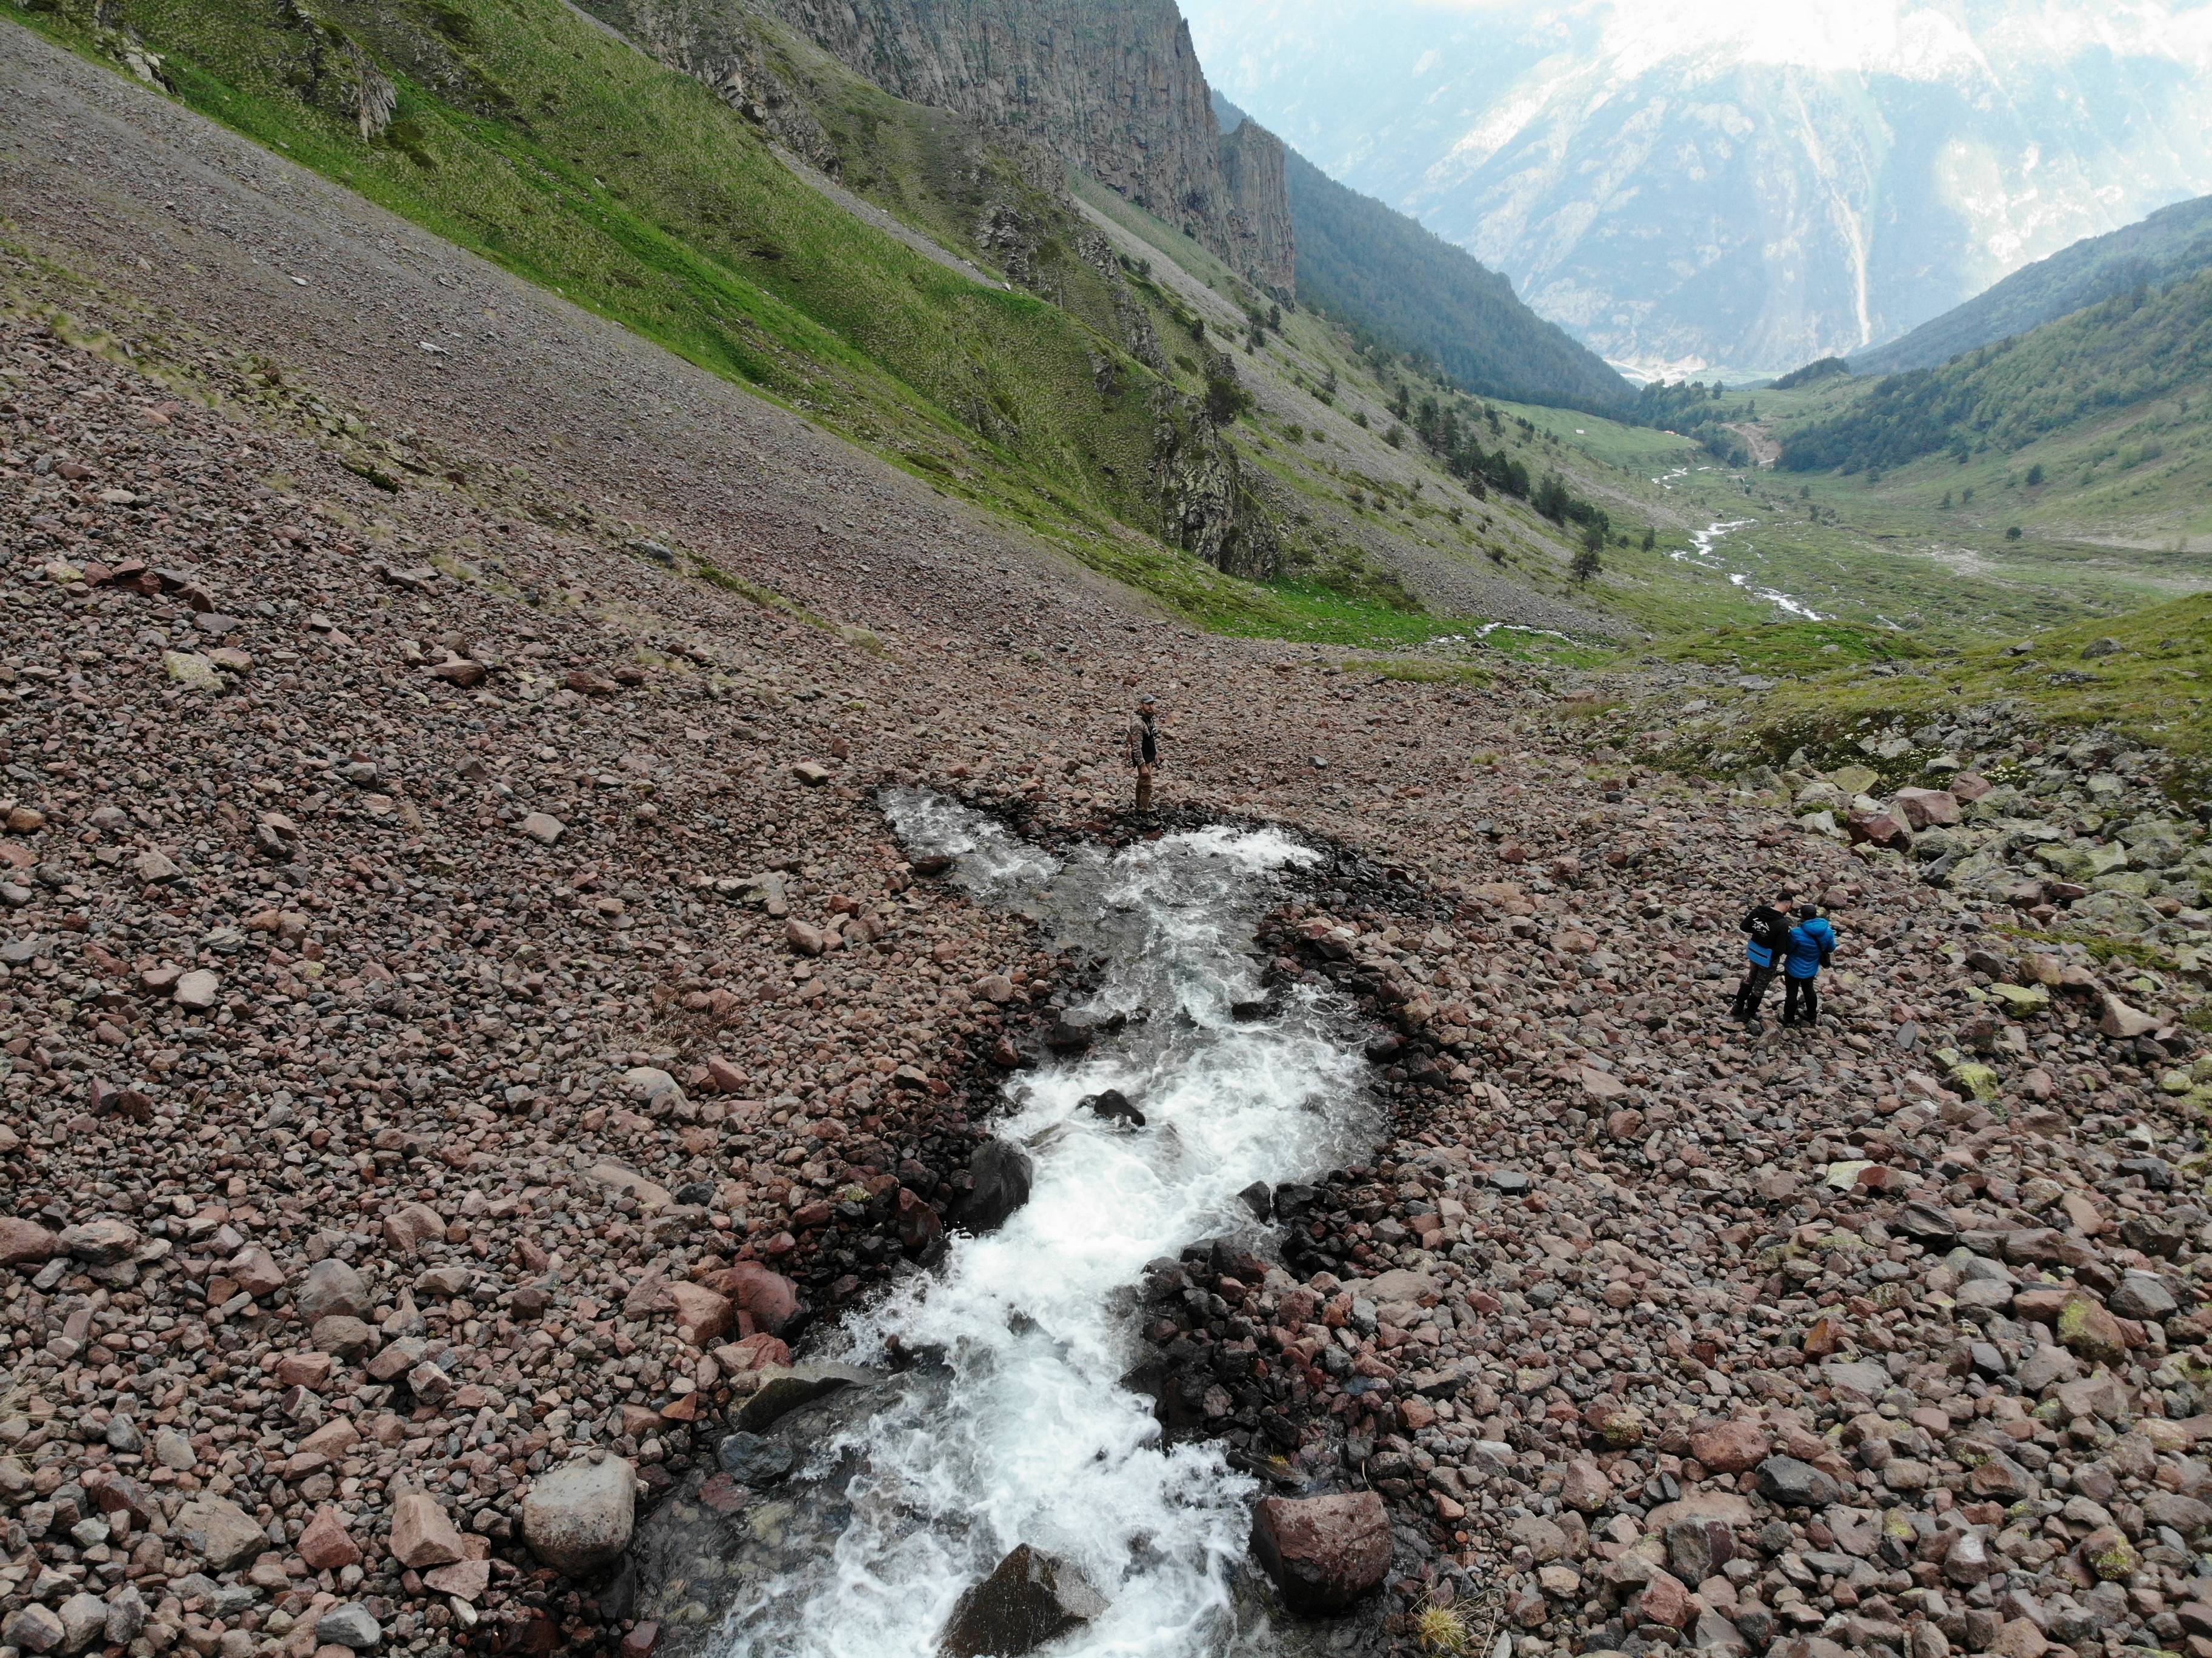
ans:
(1812, 943)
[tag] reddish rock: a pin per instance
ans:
(422, 1533)
(702, 1317)
(304, 1369)
(2123, 1022)
(255, 1271)
(326, 1544)
(1324, 1553)
(1731, 1447)
(1928, 807)
(919, 1229)
(1665, 1600)
(769, 1299)
(1876, 828)
(1585, 1488)
(25, 1242)
(409, 1229)
(465, 1579)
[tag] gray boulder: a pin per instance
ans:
(330, 1289)
(577, 1519)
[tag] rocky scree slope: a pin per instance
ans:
(716, 250)
(412, 1084)
(396, 1041)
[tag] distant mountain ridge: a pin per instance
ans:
(1408, 290)
(2173, 243)
(1718, 187)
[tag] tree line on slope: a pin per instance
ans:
(2137, 346)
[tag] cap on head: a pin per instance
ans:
(1146, 702)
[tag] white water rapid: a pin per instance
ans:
(1706, 540)
(1016, 1429)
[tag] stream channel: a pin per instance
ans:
(1013, 1427)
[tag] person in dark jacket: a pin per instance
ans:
(1812, 944)
(1144, 749)
(1769, 928)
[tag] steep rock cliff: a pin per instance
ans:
(1254, 169)
(1113, 89)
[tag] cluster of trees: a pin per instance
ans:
(2138, 346)
(1456, 436)
(1822, 369)
(1699, 411)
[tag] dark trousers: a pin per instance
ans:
(1752, 991)
(1795, 992)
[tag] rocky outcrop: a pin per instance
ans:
(1253, 170)
(339, 76)
(1114, 90)
(1210, 505)
(722, 44)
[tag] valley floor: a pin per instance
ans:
(411, 752)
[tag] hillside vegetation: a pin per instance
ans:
(1382, 275)
(2128, 350)
(2172, 244)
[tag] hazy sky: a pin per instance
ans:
(1914, 37)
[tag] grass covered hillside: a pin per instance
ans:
(2126, 352)
(2172, 244)
(1381, 274)
(528, 132)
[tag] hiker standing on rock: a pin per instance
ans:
(1769, 928)
(1143, 744)
(1812, 943)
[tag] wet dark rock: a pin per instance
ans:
(1001, 1173)
(1030, 1598)
(1114, 1106)
(754, 1461)
(1794, 1484)
(1925, 1224)
(782, 1389)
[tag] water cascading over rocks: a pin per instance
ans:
(1006, 1478)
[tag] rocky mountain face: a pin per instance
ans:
(1707, 191)
(1252, 167)
(1114, 90)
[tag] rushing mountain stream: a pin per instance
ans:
(1013, 1426)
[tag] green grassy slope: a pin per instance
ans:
(2115, 355)
(2091, 437)
(2172, 244)
(527, 133)
(2156, 688)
